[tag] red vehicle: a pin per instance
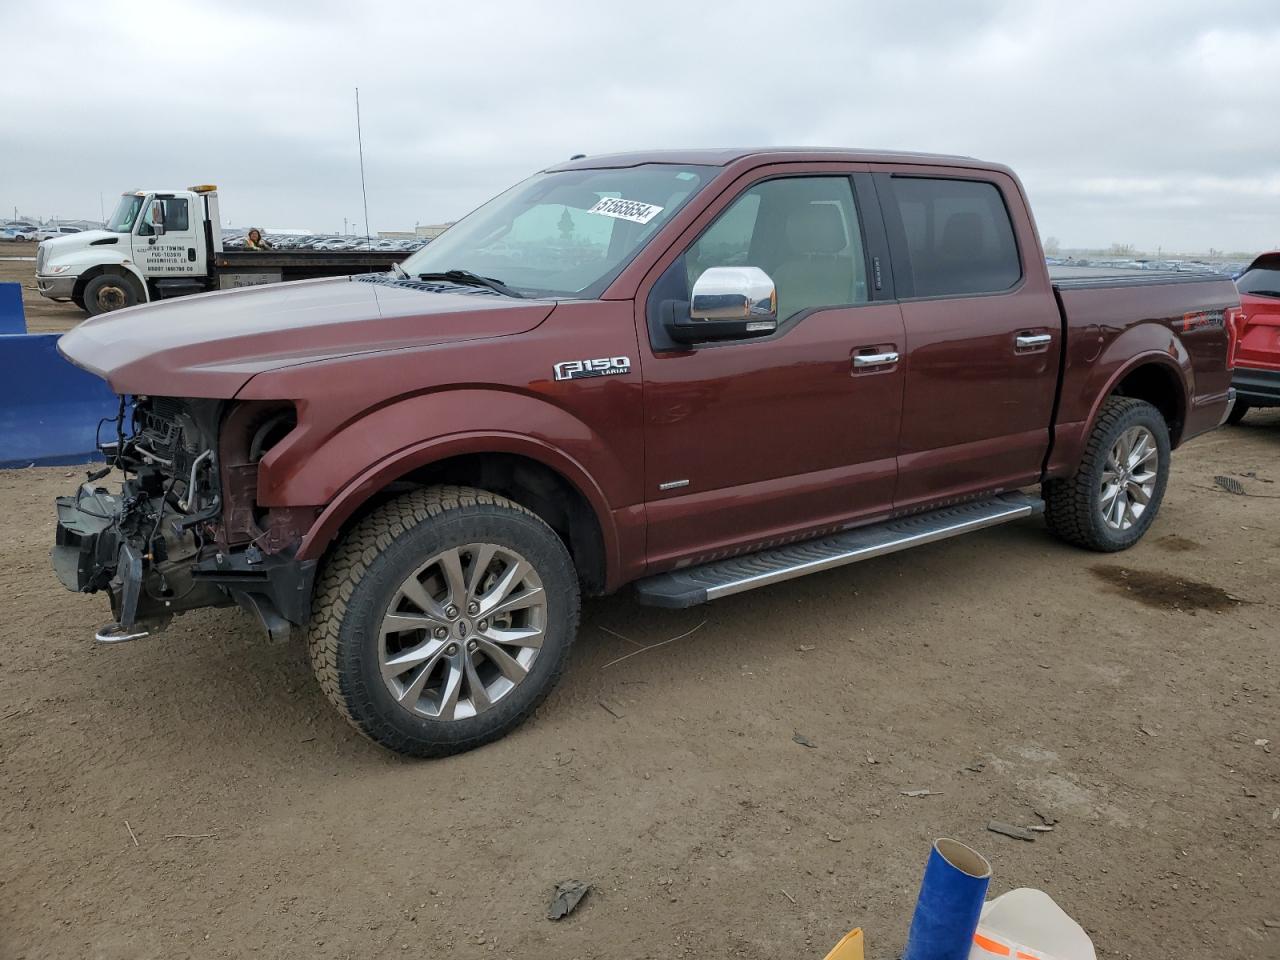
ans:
(695, 372)
(1257, 351)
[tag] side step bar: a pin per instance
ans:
(694, 585)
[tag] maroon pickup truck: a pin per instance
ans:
(694, 372)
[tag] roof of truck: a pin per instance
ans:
(723, 156)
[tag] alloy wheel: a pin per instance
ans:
(462, 631)
(1129, 478)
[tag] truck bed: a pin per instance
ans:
(239, 268)
(284, 259)
(1175, 320)
(1081, 278)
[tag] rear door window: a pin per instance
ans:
(958, 236)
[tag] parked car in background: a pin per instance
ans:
(1257, 353)
(48, 233)
(310, 242)
(698, 373)
(19, 233)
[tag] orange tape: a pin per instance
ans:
(999, 949)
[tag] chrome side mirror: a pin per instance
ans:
(734, 293)
(728, 303)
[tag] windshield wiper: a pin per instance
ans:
(472, 280)
(400, 271)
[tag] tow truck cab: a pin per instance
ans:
(155, 243)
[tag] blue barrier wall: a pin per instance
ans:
(13, 319)
(49, 409)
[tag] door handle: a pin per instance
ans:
(874, 359)
(1033, 340)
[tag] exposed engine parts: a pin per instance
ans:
(168, 541)
(140, 544)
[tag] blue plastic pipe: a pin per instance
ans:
(955, 884)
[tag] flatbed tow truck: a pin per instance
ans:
(160, 244)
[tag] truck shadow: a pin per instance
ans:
(211, 689)
(262, 701)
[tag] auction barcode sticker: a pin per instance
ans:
(620, 209)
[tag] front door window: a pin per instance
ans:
(802, 231)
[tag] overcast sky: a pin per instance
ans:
(1156, 124)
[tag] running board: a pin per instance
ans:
(694, 585)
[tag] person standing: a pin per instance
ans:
(255, 241)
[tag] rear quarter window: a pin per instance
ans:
(958, 236)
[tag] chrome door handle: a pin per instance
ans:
(874, 359)
(1034, 340)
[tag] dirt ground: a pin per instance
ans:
(193, 795)
(43, 316)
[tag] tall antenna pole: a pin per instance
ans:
(364, 193)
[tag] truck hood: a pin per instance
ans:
(57, 248)
(209, 345)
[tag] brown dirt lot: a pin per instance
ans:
(1006, 672)
(43, 316)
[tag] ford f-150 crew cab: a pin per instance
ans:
(694, 372)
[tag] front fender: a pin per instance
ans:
(375, 478)
(369, 419)
(343, 470)
(86, 264)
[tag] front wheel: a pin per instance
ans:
(1238, 410)
(1115, 494)
(443, 619)
(110, 291)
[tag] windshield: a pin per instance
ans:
(1262, 279)
(126, 212)
(567, 233)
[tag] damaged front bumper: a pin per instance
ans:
(181, 531)
(149, 578)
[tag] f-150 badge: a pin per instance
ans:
(600, 367)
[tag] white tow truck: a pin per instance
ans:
(168, 243)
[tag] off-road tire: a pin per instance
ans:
(1073, 505)
(363, 570)
(1238, 410)
(132, 296)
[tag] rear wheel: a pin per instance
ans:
(110, 291)
(443, 619)
(1237, 413)
(1114, 496)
